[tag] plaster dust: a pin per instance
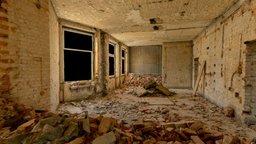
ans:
(123, 105)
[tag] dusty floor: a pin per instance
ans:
(123, 105)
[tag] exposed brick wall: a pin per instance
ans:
(222, 46)
(24, 51)
(6, 62)
(250, 83)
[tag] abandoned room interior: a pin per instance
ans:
(128, 71)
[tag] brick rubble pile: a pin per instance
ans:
(48, 128)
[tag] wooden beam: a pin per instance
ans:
(199, 78)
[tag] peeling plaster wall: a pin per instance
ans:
(177, 64)
(145, 59)
(222, 46)
(54, 59)
(24, 52)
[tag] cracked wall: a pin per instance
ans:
(222, 46)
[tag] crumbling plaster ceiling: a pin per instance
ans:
(129, 20)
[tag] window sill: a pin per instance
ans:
(112, 76)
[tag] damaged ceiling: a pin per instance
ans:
(144, 22)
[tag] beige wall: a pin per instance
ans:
(115, 81)
(145, 59)
(101, 82)
(222, 47)
(250, 84)
(77, 90)
(54, 59)
(177, 64)
(25, 53)
(31, 57)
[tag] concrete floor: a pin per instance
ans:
(123, 105)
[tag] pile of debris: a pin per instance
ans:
(152, 88)
(146, 85)
(13, 114)
(59, 129)
(46, 127)
(138, 80)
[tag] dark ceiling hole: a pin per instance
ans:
(237, 94)
(1, 1)
(156, 27)
(185, 4)
(38, 4)
(152, 21)
(155, 21)
(182, 13)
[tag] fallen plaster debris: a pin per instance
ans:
(24, 125)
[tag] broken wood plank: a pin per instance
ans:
(199, 78)
(164, 90)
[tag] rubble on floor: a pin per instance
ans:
(13, 114)
(60, 129)
(158, 110)
(138, 80)
(128, 122)
(146, 85)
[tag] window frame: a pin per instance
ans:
(123, 58)
(69, 29)
(113, 56)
